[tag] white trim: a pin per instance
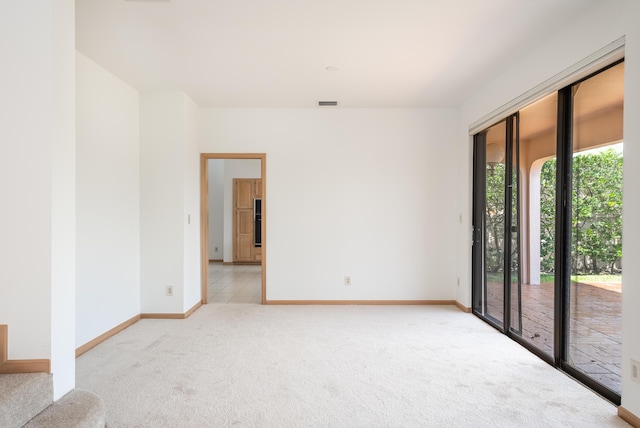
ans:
(612, 52)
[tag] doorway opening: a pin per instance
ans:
(226, 275)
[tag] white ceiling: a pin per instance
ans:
(274, 53)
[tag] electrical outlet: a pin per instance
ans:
(216, 249)
(170, 290)
(347, 280)
(635, 370)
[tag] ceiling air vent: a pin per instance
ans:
(327, 103)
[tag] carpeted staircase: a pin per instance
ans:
(26, 400)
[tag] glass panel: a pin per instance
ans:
(495, 222)
(537, 147)
(596, 234)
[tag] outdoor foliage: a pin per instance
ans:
(495, 217)
(596, 242)
(596, 199)
(597, 212)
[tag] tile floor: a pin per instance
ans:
(234, 283)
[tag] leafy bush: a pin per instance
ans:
(596, 210)
(596, 244)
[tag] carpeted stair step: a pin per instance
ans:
(22, 396)
(77, 409)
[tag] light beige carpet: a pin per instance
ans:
(331, 366)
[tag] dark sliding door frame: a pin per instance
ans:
(478, 280)
(564, 219)
(564, 156)
(508, 222)
(479, 276)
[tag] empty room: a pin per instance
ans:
(338, 213)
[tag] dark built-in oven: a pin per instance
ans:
(257, 222)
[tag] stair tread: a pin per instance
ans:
(77, 409)
(22, 396)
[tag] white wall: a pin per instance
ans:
(191, 208)
(235, 168)
(63, 203)
(108, 201)
(37, 183)
(25, 181)
(169, 189)
(215, 170)
(604, 23)
(161, 201)
(631, 207)
(360, 192)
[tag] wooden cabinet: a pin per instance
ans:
(258, 188)
(245, 192)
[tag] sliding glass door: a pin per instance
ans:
(493, 145)
(547, 228)
(594, 330)
(497, 236)
(538, 136)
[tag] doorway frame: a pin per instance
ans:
(204, 216)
